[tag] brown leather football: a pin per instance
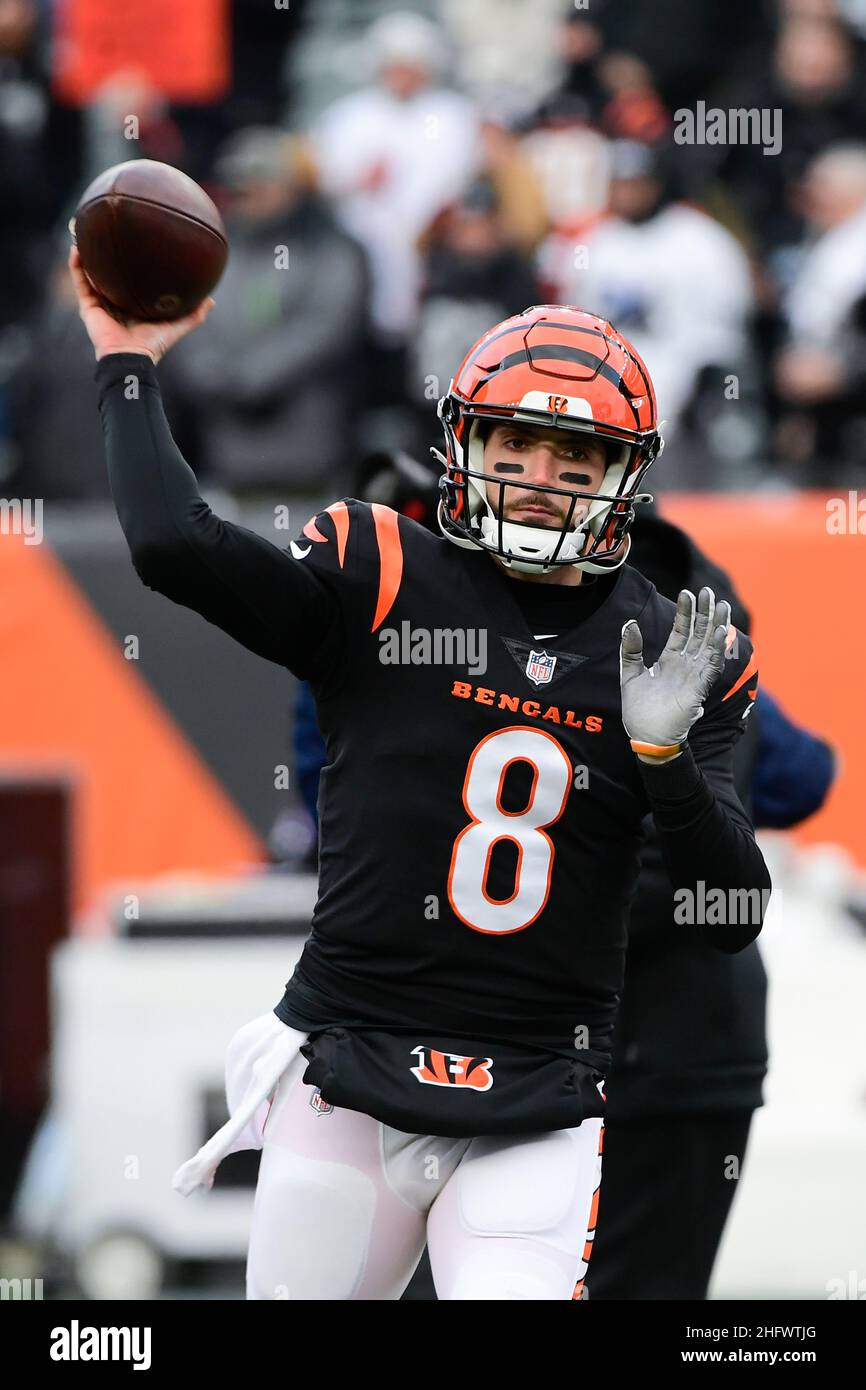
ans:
(151, 241)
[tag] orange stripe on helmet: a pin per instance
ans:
(390, 560)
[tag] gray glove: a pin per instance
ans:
(660, 704)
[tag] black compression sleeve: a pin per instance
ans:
(707, 843)
(242, 583)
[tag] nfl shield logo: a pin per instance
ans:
(539, 668)
(320, 1106)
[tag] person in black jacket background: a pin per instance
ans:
(690, 1047)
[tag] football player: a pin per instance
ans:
(501, 706)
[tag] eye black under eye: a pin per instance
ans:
(503, 467)
(579, 478)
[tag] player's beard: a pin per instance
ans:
(551, 516)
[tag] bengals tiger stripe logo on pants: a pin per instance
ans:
(450, 1069)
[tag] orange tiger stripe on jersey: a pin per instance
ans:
(339, 514)
(390, 560)
(749, 671)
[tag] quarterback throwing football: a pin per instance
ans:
(435, 1069)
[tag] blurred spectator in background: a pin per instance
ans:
(56, 448)
(670, 277)
(40, 163)
(817, 79)
(392, 155)
(563, 141)
(634, 110)
(685, 44)
(129, 118)
(611, 90)
(820, 370)
(519, 192)
(262, 35)
(581, 94)
(520, 157)
(475, 274)
(601, 94)
(39, 159)
(272, 373)
(505, 43)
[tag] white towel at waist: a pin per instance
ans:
(256, 1058)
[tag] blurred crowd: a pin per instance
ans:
(395, 180)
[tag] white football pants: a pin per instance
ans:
(344, 1205)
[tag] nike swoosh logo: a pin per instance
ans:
(298, 553)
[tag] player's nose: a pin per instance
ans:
(542, 465)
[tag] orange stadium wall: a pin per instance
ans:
(805, 586)
(144, 802)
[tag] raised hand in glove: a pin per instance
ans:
(661, 703)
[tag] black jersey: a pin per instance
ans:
(480, 807)
(480, 828)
